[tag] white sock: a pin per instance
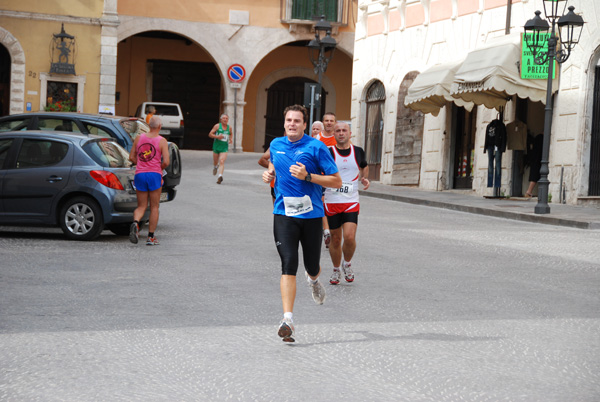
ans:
(220, 175)
(326, 231)
(288, 315)
(336, 269)
(346, 263)
(308, 278)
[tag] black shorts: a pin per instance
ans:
(289, 233)
(336, 221)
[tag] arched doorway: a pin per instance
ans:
(4, 81)
(375, 100)
(161, 66)
(283, 93)
(15, 57)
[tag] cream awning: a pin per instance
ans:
(490, 75)
(430, 91)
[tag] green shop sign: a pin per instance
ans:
(530, 70)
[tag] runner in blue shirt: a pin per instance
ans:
(302, 165)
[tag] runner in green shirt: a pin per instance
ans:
(222, 139)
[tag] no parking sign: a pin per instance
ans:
(236, 73)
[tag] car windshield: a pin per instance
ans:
(107, 153)
(134, 127)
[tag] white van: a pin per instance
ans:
(171, 117)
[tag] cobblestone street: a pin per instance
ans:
(446, 306)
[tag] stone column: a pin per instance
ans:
(237, 115)
(108, 55)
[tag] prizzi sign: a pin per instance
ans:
(530, 70)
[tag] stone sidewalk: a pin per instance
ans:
(514, 208)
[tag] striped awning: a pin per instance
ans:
(491, 75)
(431, 89)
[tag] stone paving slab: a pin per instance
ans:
(395, 361)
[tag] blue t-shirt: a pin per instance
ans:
(316, 157)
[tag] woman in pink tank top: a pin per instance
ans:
(150, 153)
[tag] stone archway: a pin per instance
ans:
(17, 76)
(262, 94)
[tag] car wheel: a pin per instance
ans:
(81, 219)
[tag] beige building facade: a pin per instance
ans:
(128, 52)
(397, 40)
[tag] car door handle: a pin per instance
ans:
(52, 179)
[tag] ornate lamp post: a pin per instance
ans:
(320, 52)
(570, 26)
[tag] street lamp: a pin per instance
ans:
(320, 52)
(570, 26)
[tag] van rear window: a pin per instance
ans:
(166, 110)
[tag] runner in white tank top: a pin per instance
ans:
(345, 198)
(342, 204)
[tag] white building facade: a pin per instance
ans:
(442, 148)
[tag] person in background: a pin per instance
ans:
(149, 113)
(326, 136)
(150, 154)
(222, 134)
(317, 128)
(534, 157)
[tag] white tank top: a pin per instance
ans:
(349, 171)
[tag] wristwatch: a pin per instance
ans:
(308, 177)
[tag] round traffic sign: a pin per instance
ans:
(236, 73)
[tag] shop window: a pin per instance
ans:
(51, 87)
(61, 96)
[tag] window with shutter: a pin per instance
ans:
(313, 9)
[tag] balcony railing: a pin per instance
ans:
(309, 11)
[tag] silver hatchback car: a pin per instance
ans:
(81, 183)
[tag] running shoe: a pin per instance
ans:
(318, 292)
(152, 241)
(215, 170)
(220, 180)
(134, 233)
(327, 238)
(348, 273)
(335, 277)
(286, 330)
